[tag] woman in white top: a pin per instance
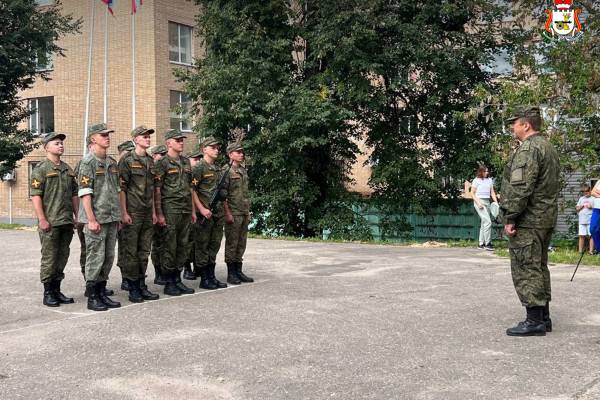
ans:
(482, 190)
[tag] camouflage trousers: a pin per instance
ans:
(100, 249)
(207, 239)
(134, 246)
(529, 265)
(157, 237)
(236, 236)
(82, 254)
(55, 252)
(175, 243)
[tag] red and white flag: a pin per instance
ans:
(135, 4)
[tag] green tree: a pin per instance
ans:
(313, 77)
(561, 76)
(28, 33)
(258, 72)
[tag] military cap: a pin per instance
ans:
(196, 153)
(53, 135)
(174, 134)
(523, 112)
(141, 130)
(159, 149)
(126, 146)
(234, 146)
(98, 128)
(208, 141)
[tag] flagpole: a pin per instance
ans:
(105, 115)
(133, 70)
(89, 78)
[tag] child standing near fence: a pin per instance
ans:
(584, 210)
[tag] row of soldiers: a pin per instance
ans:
(152, 199)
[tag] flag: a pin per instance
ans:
(109, 4)
(135, 4)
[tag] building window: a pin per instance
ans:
(44, 62)
(30, 166)
(41, 119)
(44, 2)
(180, 111)
(180, 43)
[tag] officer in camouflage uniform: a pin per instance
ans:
(529, 206)
(194, 157)
(54, 197)
(209, 228)
(99, 192)
(137, 210)
(173, 202)
(157, 152)
(237, 215)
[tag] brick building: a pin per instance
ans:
(164, 41)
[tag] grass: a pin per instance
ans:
(565, 250)
(12, 226)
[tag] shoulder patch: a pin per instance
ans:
(35, 183)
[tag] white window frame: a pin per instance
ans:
(43, 68)
(33, 103)
(179, 62)
(180, 115)
(43, 3)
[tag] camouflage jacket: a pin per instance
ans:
(205, 178)
(173, 178)
(56, 185)
(238, 196)
(531, 184)
(137, 181)
(99, 177)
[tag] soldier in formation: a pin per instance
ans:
(54, 197)
(151, 196)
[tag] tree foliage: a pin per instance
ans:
(561, 76)
(311, 78)
(27, 32)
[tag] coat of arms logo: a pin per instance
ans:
(563, 21)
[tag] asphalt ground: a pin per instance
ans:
(322, 321)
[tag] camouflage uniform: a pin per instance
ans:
(530, 189)
(173, 177)
(99, 177)
(137, 184)
(56, 188)
(158, 231)
(236, 233)
(208, 232)
(531, 183)
(56, 185)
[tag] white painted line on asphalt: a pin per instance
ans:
(77, 315)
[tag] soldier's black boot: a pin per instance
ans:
(158, 276)
(170, 288)
(213, 278)
(243, 277)
(124, 284)
(187, 272)
(110, 303)
(547, 319)
(184, 289)
(94, 303)
(62, 299)
(146, 294)
(135, 292)
(532, 326)
(50, 299)
(232, 276)
(205, 281)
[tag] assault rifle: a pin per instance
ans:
(214, 197)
